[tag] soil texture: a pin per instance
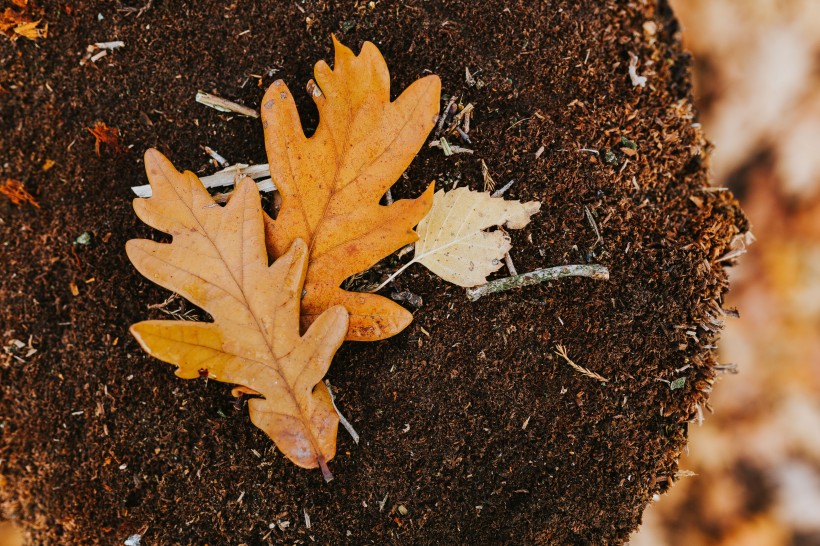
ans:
(473, 430)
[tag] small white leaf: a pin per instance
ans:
(452, 241)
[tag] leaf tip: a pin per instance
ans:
(136, 331)
(298, 248)
(153, 158)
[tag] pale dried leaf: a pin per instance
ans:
(453, 242)
(218, 261)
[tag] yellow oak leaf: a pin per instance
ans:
(218, 260)
(331, 183)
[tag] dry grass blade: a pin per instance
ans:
(218, 261)
(332, 182)
(562, 352)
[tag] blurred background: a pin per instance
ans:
(756, 459)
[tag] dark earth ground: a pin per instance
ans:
(474, 428)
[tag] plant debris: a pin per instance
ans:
(453, 242)
(17, 193)
(562, 352)
(103, 134)
(330, 194)
(14, 25)
(254, 340)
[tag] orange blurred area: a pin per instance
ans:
(757, 458)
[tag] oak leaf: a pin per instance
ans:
(217, 260)
(331, 183)
(453, 242)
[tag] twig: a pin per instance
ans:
(598, 238)
(468, 77)
(504, 189)
(445, 114)
(224, 105)
(216, 156)
(593, 271)
(109, 45)
(465, 114)
(226, 177)
(562, 352)
(510, 264)
(447, 148)
(345, 423)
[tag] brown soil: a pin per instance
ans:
(473, 432)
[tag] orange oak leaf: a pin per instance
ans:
(331, 183)
(217, 260)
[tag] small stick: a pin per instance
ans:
(537, 276)
(216, 157)
(449, 149)
(562, 352)
(109, 45)
(468, 77)
(388, 197)
(504, 189)
(224, 105)
(444, 114)
(226, 177)
(598, 239)
(465, 114)
(345, 423)
(510, 264)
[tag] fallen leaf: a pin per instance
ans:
(10, 19)
(15, 24)
(103, 134)
(331, 183)
(31, 30)
(452, 241)
(16, 191)
(218, 261)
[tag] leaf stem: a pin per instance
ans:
(594, 271)
(398, 272)
(326, 473)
